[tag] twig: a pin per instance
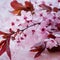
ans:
(31, 26)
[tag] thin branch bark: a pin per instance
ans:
(31, 26)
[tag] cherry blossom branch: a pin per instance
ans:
(22, 30)
(31, 26)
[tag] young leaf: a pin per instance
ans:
(39, 48)
(16, 5)
(16, 12)
(29, 6)
(2, 33)
(45, 7)
(8, 51)
(3, 49)
(37, 54)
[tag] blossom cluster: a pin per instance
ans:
(31, 22)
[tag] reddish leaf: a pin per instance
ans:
(8, 51)
(17, 5)
(37, 54)
(7, 47)
(3, 49)
(39, 48)
(2, 33)
(17, 12)
(45, 7)
(51, 36)
(58, 26)
(34, 50)
(29, 6)
(2, 42)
